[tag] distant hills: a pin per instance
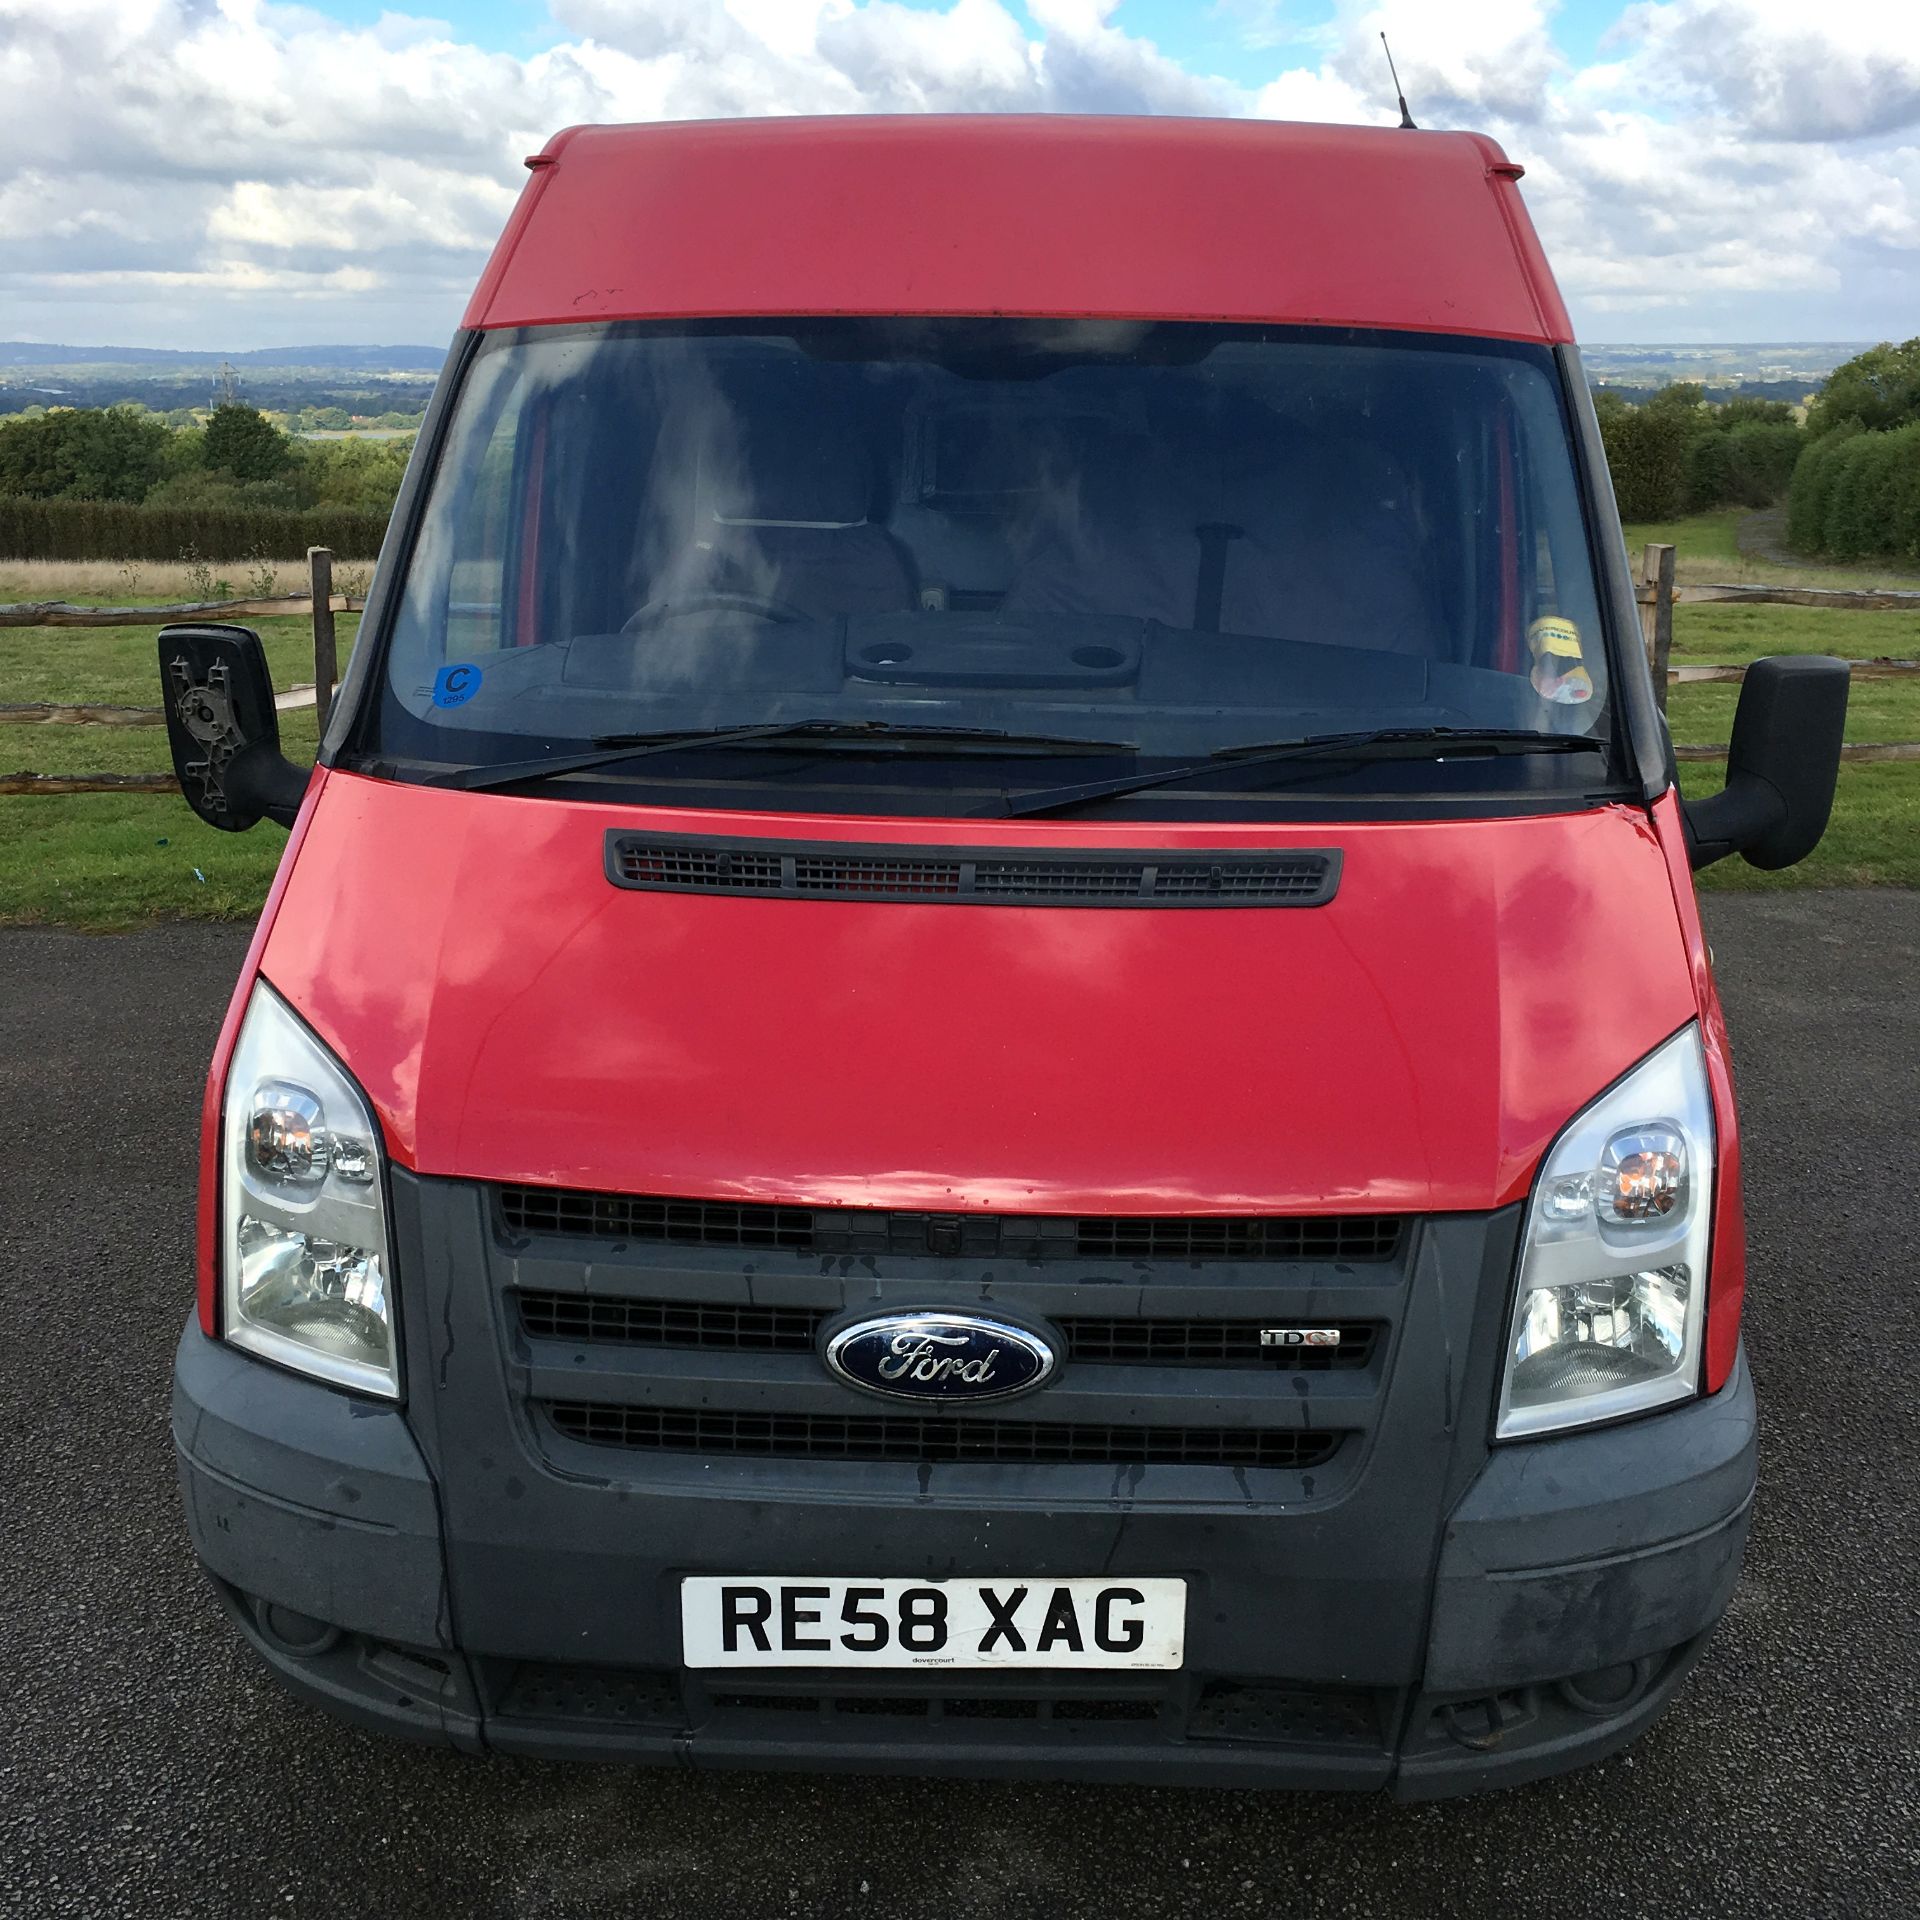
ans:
(39, 353)
(1725, 361)
(390, 384)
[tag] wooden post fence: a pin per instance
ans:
(320, 572)
(1654, 591)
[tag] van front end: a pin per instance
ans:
(1252, 1485)
(986, 1047)
(1373, 1596)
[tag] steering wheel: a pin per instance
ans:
(760, 606)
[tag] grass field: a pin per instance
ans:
(120, 666)
(1728, 635)
(139, 583)
(1874, 838)
(1708, 552)
(108, 860)
(114, 860)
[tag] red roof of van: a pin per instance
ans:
(1243, 220)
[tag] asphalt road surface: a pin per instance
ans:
(148, 1767)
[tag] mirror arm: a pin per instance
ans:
(262, 781)
(1742, 813)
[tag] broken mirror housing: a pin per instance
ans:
(223, 728)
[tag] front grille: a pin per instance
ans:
(547, 1211)
(970, 876)
(1197, 1237)
(656, 1323)
(796, 1436)
(688, 1223)
(1212, 1343)
(714, 1328)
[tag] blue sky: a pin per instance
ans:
(1249, 41)
(308, 170)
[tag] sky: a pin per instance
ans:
(235, 173)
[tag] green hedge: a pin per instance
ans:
(1647, 450)
(1669, 460)
(113, 530)
(1812, 483)
(1745, 466)
(1856, 495)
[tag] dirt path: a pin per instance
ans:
(1762, 535)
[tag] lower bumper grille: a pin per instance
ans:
(989, 1707)
(904, 1438)
(1240, 1712)
(1284, 1716)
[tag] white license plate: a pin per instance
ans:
(750, 1620)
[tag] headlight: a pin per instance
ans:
(304, 1266)
(1613, 1268)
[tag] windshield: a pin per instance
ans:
(894, 561)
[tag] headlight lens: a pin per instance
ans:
(1610, 1303)
(304, 1266)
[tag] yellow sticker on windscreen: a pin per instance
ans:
(1559, 662)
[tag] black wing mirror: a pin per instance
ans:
(1781, 765)
(224, 730)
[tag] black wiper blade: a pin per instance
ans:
(615, 749)
(856, 731)
(607, 751)
(1358, 745)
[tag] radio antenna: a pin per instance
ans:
(1406, 119)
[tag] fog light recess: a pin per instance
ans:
(1608, 1690)
(292, 1631)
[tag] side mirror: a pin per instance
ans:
(1781, 765)
(224, 729)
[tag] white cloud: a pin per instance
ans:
(973, 57)
(1461, 62)
(238, 171)
(1702, 174)
(1785, 69)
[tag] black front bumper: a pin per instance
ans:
(1427, 1614)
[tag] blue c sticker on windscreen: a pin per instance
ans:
(455, 686)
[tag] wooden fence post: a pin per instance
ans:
(1656, 612)
(320, 577)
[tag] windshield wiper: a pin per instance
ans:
(1377, 742)
(614, 749)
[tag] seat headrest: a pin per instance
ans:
(787, 467)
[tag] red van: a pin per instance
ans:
(985, 1046)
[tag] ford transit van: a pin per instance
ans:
(985, 1046)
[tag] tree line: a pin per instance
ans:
(1856, 490)
(1850, 473)
(1678, 453)
(124, 483)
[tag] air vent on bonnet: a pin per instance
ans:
(970, 876)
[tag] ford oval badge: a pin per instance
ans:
(958, 1357)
